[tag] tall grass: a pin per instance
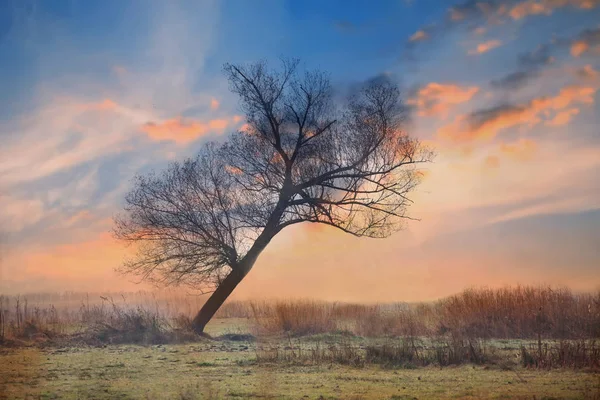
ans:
(509, 313)
(521, 312)
(106, 321)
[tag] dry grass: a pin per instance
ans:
(521, 312)
(458, 322)
(518, 312)
(562, 354)
(96, 323)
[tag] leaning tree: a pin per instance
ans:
(301, 157)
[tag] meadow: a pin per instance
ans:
(516, 342)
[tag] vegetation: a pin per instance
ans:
(503, 343)
(508, 313)
(227, 371)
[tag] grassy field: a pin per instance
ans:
(215, 369)
(476, 345)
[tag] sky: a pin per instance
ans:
(506, 92)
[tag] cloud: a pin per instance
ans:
(495, 12)
(487, 123)
(62, 133)
(106, 105)
(531, 64)
(515, 80)
(78, 118)
(67, 158)
(461, 186)
(563, 117)
(529, 68)
(538, 57)
(79, 217)
(546, 7)
(587, 72)
(182, 131)
(418, 36)
(472, 9)
(587, 40)
(548, 206)
(485, 47)
(578, 48)
(523, 149)
(438, 98)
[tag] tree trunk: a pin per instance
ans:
(216, 300)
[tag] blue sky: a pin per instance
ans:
(506, 91)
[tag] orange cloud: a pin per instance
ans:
(546, 7)
(567, 96)
(563, 117)
(214, 104)
(485, 47)
(522, 149)
(578, 48)
(438, 98)
(418, 36)
(181, 131)
(587, 41)
(527, 8)
(485, 124)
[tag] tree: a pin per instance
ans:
(301, 158)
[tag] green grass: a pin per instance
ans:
(228, 370)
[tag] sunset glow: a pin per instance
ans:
(505, 92)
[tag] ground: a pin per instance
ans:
(229, 369)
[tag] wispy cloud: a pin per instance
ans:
(485, 47)
(546, 7)
(471, 13)
(80, 123)
(418, 36)
(439, 98)
(487, 123)
(183, 131)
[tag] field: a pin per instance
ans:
(524, 343)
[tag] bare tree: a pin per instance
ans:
(302, 158)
